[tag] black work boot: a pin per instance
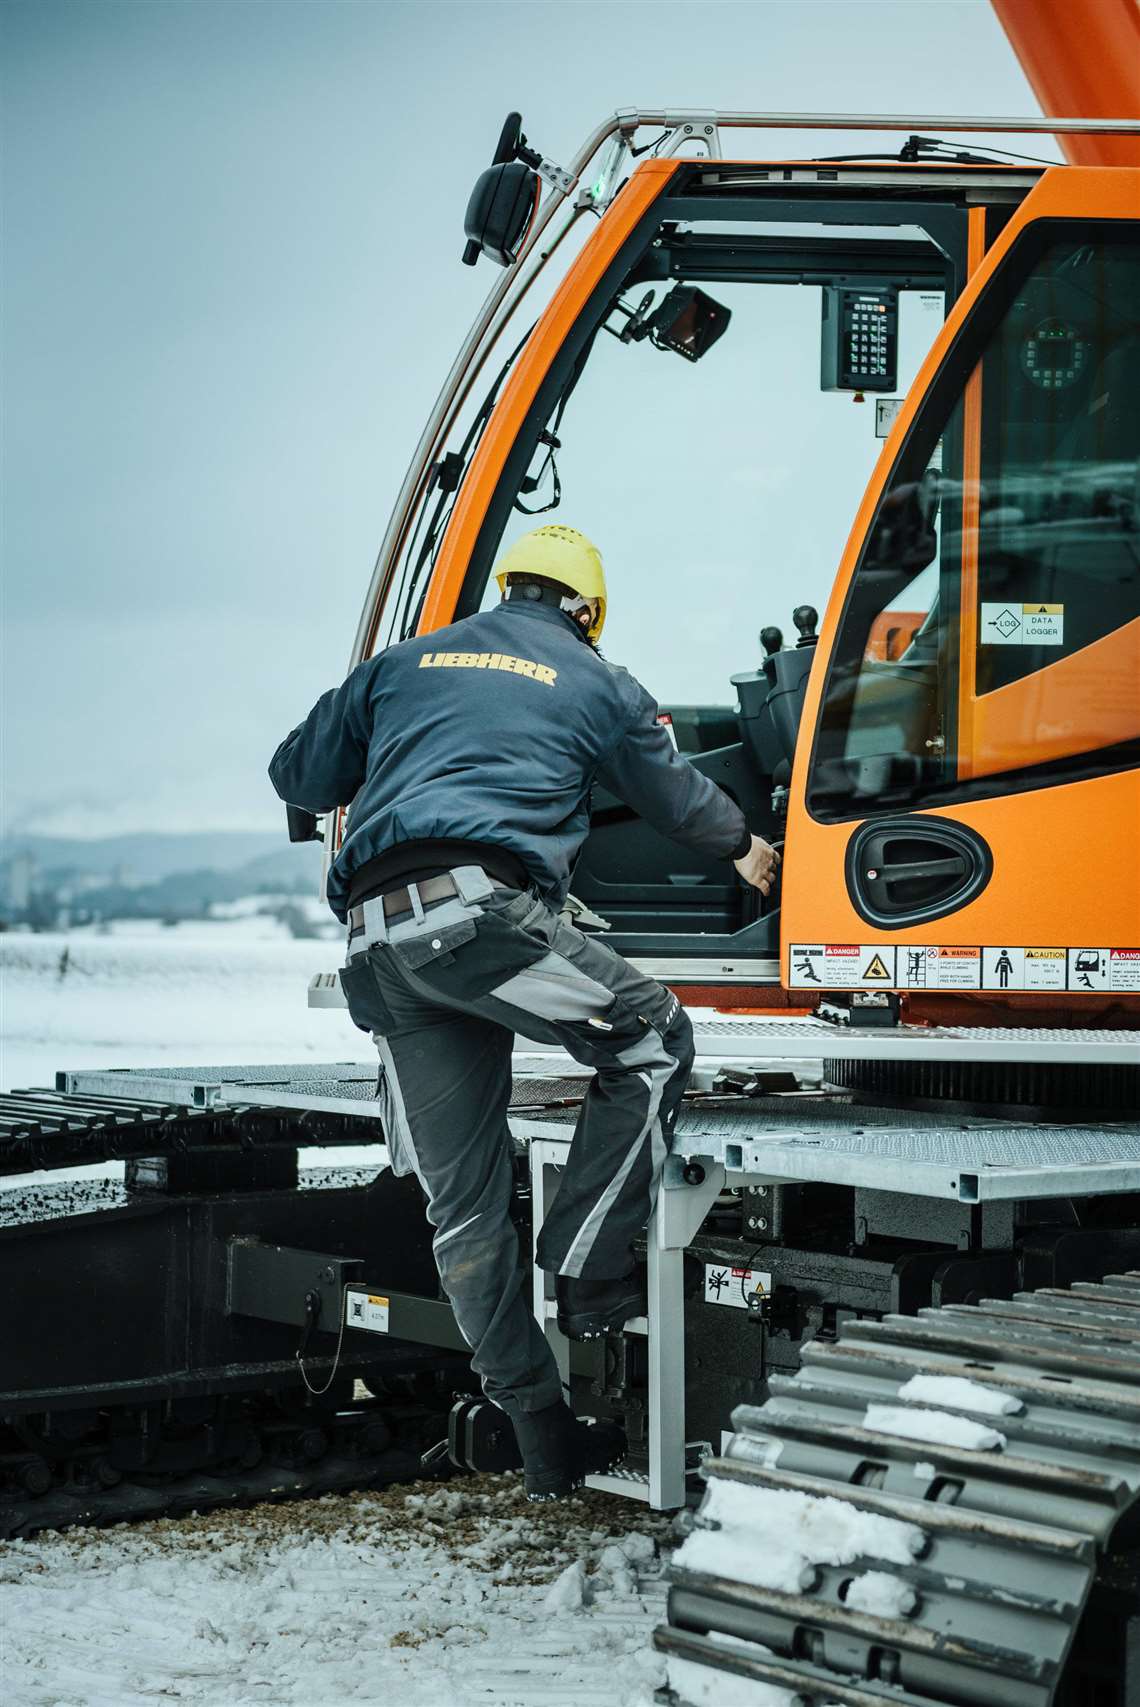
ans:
(559, 1452)
(590, 1308)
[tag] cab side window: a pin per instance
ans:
(993, 624)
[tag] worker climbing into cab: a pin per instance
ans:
(467, 757)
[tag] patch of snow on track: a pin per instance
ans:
(881, 1594)
(774, 1537)
(961, 1394)
(938, 1426)
(418, 1596)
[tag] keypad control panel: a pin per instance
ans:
(860, 339)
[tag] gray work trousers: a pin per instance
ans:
(442, 993)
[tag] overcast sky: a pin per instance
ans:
(231, 289)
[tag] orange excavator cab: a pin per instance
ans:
(686, 395)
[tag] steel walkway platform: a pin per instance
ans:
(831, 1141)
(748, 1043)
(802, 1136)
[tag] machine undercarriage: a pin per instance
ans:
(814, 1250)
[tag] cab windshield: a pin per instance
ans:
(719, 490)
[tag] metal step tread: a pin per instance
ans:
(808, 1137)
(1000, 1551)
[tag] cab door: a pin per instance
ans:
(965, 810)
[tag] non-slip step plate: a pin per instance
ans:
(805, 1138)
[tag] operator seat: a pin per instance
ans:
(772, 697)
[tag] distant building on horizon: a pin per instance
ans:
(23, 874)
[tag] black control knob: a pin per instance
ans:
(806, 619)
(771, 639)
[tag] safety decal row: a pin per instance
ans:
(851, 966)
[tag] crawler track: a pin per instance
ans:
(75, 1497)
(1008, 1548)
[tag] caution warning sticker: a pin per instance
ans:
(1023, 968)
(1045, 969)
(841, 966)
(368, 1310)
(1034, 624)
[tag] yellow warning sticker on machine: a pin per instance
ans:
(1033, 624)
(367, 1310)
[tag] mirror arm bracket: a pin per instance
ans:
(556, 176)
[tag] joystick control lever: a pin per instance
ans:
(772, 640)
(806, 619)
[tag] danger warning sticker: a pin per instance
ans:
(841, 966)
(1124, 969)
(1104, 969)
(727, 1285)
(368, 1310)
(1035, 624)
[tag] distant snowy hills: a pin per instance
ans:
(263, 859)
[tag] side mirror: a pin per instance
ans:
(303, 826)
(504, 199)
(499, 212)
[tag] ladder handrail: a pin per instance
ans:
(633, 118)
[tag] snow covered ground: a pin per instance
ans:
(460, 1596)
(411, 1598)
(209, 993)
(226, 990)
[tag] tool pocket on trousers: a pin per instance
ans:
(434, 947)
(367, 1008)
(523, 910)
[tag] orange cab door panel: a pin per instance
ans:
(965, 805)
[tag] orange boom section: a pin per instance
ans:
(1082, 59)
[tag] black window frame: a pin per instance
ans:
(942, 215)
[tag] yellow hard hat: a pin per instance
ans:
(559, 554)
